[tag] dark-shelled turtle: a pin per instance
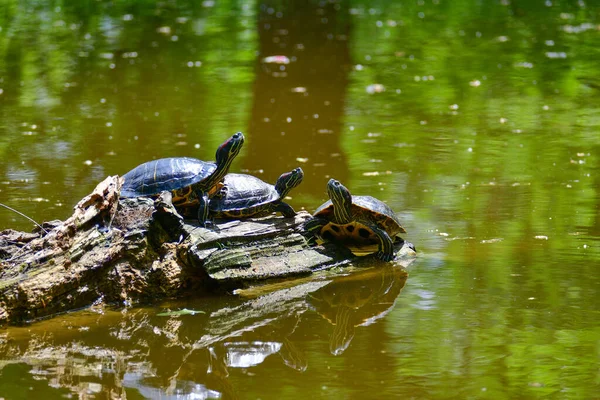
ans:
(191, 181)
(356, 220)
(244, 196)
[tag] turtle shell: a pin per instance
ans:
(171, 174)
(245, 195)
(365, 210)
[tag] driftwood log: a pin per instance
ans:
(129, 251)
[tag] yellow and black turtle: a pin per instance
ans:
(356, 220)
(192, 182)
(244, 196)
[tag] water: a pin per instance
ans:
(478, 123)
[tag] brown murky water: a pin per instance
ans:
(477, 123)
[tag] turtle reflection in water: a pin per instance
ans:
(357, 300)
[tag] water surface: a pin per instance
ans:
(478, 123)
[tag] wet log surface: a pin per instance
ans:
(131, 251)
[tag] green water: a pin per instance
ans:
(478, 122)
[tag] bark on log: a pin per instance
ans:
(140, 250)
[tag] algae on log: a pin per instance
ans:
(140, 250)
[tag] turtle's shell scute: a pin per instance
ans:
(243, 192)
(169, 174)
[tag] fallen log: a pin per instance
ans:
(130, 251)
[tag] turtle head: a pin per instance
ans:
(288, 181)
(229, 150)
(342, 201)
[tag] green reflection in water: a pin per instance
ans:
(486, 116)
(284, 328)
(95, 89)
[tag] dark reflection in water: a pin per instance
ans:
(356, 300)
(299, 97)
(216, 350)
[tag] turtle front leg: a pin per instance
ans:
(203, 210)
(386, 245)
(285, 209)
(312, 227)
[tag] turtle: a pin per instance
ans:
(191, 181)
(244, 196)
(355, 220)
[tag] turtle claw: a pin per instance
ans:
(411, 246)
(311, 240)
(207, 224)
(385, 256)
